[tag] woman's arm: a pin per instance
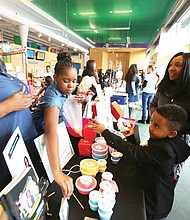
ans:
(133, 87)
(154, 103)
(51, 117)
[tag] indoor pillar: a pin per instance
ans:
(23, 37)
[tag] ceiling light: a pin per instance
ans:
(103, 29)
(47, 29)
(93, 27)
(49, 38)
(40, 34)
(91, 41)
(115, 38)
(123, 11)
(88, 13)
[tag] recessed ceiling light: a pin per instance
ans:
(115, 38)
(122, 11)
(88, 13)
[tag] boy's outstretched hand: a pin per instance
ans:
(128, 133)
(98, 128)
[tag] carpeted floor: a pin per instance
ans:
(181, 205)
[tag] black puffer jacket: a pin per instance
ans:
(155, 168)
(183, 101)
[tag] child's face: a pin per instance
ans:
(158, 128)
(67, 81)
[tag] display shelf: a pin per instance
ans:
(14, 52)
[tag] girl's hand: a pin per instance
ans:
(66, 184)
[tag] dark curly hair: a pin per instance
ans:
(175, 115)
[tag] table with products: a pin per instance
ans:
(129, 200)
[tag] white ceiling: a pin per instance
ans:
(18, 12)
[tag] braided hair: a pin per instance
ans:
(64, 61)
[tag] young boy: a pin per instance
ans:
(155, 161)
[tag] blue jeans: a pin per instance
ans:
(146, 99)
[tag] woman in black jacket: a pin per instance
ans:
(175, 89)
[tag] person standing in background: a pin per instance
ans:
(174, 88)
(89, 81)
(48, 69)
(149, 89)
(105, 82)
(14, 112)
(48, 72)
(132, 86)
(100, 75)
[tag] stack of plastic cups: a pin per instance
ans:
(110, 195)
(102, 165)
(105, 185)
(94, 197)
(89, 167)
(100, 140)
(115, 157)
(107, 176)
(99, 151)
(105, 209)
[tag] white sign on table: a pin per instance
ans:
(65, 149)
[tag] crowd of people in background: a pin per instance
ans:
(173, 89)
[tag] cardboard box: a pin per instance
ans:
(116, 110)
(84, 147)
(88, 133)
